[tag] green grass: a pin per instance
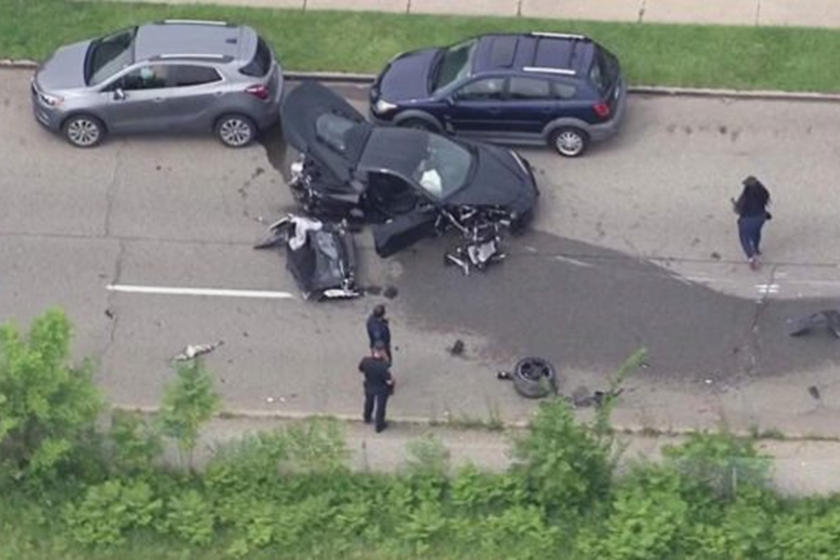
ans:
(792, 59)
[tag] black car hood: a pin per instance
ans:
(498, 180)
(299, 117)
(407, 76)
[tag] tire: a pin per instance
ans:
(83, 131)
(569, 141)
(418, 124)
(235, 130)
(534, 378)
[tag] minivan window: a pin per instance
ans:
(529, 88)
(184, 75)
(604, 70)
(109, 54)
(452, 64)
(261, 63)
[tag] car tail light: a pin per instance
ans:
(601, 109)
(258, 90)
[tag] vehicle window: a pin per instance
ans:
(604, 70)
(454, 64)
(108, 55)
(444, 168)
(332, 129)
(151, 76)
(529, 88)
(184, 75)
(564, 91)
(479, 90)
(261, 63)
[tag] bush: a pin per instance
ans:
(47, 407)
(109, 509)
(191, 517)
(135, 445)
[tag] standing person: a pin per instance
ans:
(379, 384)
(378, 329)
(751, 208)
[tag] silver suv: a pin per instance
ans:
(171, 75)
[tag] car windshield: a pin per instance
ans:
(332, 129)
(452, 64)
(108, 55)
(444, 168)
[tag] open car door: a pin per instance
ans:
(403, 231)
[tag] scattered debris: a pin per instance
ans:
(481, 246)
(373, 290)
(281, 398)
(390, 292)
(814, 392)
(715, 255)
(457, 348)
(109, 313)
(193, 350)
(829, 318)
(503, 375)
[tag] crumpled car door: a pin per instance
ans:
(403, 231)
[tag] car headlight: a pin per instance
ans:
(383, 106)
(51, 100)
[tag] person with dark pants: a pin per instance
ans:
(378, 329)
(751, 208)
(379, 384)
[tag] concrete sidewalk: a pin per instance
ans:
(804, 13)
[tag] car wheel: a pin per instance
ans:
(569, 141)
(83, 131)
(418, 124)
(236, 131)
(534, 378)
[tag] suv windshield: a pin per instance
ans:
(107, 55)
(445, 167)
(452, 63)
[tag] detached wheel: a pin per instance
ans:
(236, 131)
(418, 124)
(534, 378)
(569, 141)
(83, 131)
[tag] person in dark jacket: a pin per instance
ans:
(751, 208)
(378, 329)
(378, 385)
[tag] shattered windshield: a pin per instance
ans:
(445, 167)
(453, 64)
(332, 129)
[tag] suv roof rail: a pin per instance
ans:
(549, 70)
(194, 22)
(574, 36)
(202, 56)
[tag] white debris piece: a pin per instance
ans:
(193, 350)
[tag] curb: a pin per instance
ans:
(355, 78)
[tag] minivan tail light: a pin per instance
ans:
(601, 109)
(258, 90)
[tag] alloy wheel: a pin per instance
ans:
(236, 132)
(83, 132)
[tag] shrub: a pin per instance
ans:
(135, 445)
(190, 516)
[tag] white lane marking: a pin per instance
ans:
(572, 261)
(767, 288)
(163, 290)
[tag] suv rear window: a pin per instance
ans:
(261, 63)
(604, 71)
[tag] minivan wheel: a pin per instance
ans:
(83, 131)
(418, 124)
(569, 141)
(236, 131)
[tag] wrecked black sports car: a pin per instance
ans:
(408, 183)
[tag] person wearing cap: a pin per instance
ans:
(751, 208)
(378, 329)
(378, 385)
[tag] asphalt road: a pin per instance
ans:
(633, 245)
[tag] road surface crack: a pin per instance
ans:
(109, 192)
(753, 346)
(109, 309)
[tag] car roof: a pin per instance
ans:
(547, 53)
(199, 39)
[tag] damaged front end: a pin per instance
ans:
(481, 231)
(320, 256)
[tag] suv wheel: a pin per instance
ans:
(418, 124)
(569, 141)
(236, 131)
(83, 131)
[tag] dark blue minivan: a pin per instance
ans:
(533, 88)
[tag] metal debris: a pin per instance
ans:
(194, 350)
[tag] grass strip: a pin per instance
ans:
(773, 58)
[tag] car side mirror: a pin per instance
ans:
(119, 94)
